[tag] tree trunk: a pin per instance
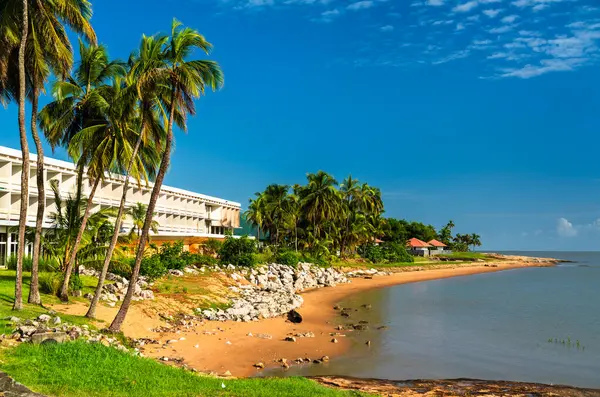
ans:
(64, 291)
(164, 166)
(18, 305)
(91, 313)
(34, 293)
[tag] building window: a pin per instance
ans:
(3, 249)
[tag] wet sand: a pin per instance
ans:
(226, 346)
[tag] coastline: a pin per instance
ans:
(232, 348)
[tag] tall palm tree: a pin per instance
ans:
(47, 48)
(320, 199)
(149, 57)
(255, 214)
(187, 80)
(78, 119)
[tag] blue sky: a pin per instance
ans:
(486, 112)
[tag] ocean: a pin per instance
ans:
(532, 324)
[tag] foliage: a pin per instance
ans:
(287, 257)
(400, 231)
(153, 267)
(395, 252)
(50, 283)
(45, 264)
(372, 253)
(211, 246)
(124, 375)
(238, 251)
(171, 255)
(138, 216)
(322, 217)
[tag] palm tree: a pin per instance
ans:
(66, 221)
(138, 216)
(255, 214)
(79, 119)
(149, 57)
(187, 81)
(320, 199)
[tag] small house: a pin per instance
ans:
(438, 248)
(417, 247)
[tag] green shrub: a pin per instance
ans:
(153, 267)
(50, 283)
(394, 252)
(121, 266)
(171, 255)
(372, 253)
(315, 260)
(75, 283)
(211, 246)
(287, 257)
(238, 251)
(198, 259)
(44, 264)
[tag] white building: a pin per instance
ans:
(181, 214)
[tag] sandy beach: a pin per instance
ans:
(234, 347)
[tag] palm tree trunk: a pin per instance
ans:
(64, 291)
(18, 305)
(164, 165)
(34, 293)
(91, 313)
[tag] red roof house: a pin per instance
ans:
(438, 244)
(415, 243)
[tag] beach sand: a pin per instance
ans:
(226, 346)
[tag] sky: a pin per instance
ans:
(486, 112)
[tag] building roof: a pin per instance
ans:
(436, 243)
(416, 243)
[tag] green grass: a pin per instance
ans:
(7, 295)
(78, 369)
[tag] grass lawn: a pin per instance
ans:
(7, 296)
(78, 369)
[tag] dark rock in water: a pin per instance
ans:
(337, 307)
(294, 317)
(361, 327)
(382, 327)
(363, 322)
(367, 307)
(345, 314)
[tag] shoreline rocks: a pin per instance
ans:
(113, 293)
(272, 290)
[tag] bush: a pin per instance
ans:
(197, 259)
(153, 267)
(50, 283)
(121, 266)
(394, 252)
(44, 264)
(171, 255)
(287, 257)
(238, 251)
(372, 253)
(75, 283)
(211, 246)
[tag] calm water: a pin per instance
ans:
(488, 326)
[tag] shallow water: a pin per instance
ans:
(488, 326)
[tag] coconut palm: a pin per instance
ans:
(147, 104)
(187, 80)
(255, 214)
(79, 119)
(47, 49)
(138, 216)
(320, 200)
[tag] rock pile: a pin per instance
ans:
(271, 291)
(113, 293)
(51, 328)
(366, 273)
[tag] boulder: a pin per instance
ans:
(294, 317)
(48, 337)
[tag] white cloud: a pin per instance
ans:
(564, 228)
(545, 66)
(452, 57)
(510, 18)
(460, 26)
(501, 29)
(490, 1)
(492, 13)
(536, 5)
(361, 5)
(466, 7)
(328, 16)
(435, 3)
(387, 28)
